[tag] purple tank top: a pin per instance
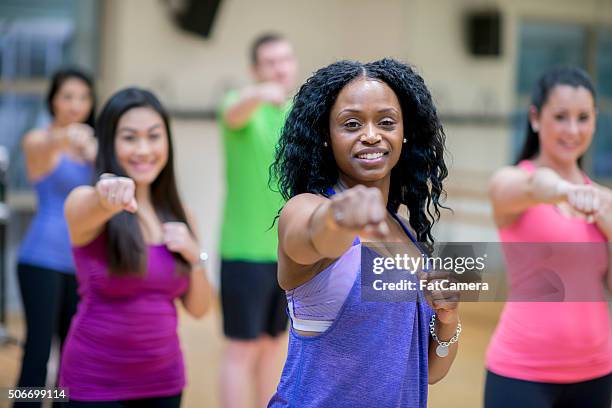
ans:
(123, 342)
(47, 244)
(373, 355)
(314, 305)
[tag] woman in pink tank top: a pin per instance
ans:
(135, 252)
(554, 352)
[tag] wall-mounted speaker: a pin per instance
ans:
(484, 33)
(195, 16)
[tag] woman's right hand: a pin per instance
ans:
(116, 193)
(586, 199)
(271, 92)
(603, 215)
(81, 138)
(360, 209)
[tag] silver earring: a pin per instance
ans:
(405, 140)
(325, 144)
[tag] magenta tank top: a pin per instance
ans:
(123, 341)
(545, 341)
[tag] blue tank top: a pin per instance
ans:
(374, 354)
(46, 243)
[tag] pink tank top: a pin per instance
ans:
(554, 342)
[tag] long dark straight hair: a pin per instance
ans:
(125, 244)
(571, 76)
(62, 76)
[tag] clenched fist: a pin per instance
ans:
(81, 138)
(178, 238)
(444, 302)
(271, 92)
(603, 215)
(117, 193)
(361, 209)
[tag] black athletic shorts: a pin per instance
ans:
(253, 304)
(505, 392)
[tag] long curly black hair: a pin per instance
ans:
(304, 165)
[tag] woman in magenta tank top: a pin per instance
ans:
(58, 158)
(555, 353)
(360, 140)
(136, 252)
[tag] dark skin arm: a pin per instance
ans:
(309, 231)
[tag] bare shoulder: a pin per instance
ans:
(80, 218)
(406, 221)
(300, 204)
(191, 219)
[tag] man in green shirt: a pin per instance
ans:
(254, 306)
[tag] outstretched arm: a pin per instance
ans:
(41, 146)
(513, 190)
(312, 228)
(239, 112)
(88, 208)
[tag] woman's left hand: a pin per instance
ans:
(444, 302)
(82, 140)
(603, 214)
(178, 238)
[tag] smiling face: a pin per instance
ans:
(73, 102)
(366, 131)
(566, 123)
(141, 144)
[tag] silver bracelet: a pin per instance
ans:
(202, 261)
(442, 349)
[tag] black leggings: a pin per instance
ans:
(49, 300)
(160, 402)
(504, 392)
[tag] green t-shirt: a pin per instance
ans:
(250, 204)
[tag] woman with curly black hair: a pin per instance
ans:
(360, 140)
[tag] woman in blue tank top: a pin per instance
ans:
(361, 140)
(58, 159)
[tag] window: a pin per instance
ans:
(602, 150)
(543, 45)
(36, 38)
